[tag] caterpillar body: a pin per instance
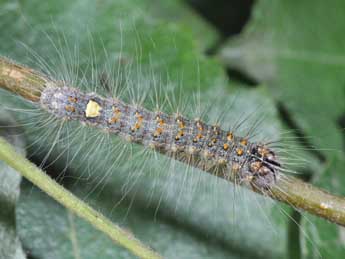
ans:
(204, 146)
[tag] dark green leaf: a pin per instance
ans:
(297, 48)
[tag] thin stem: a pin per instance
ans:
(28, 83)
(21, 80)
(71, 202)
(302, 195)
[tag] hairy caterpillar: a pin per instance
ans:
(193, 142)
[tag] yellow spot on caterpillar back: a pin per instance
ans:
(158, 132)
(244, 142)
(181, 123)
(229, 136)
(69, 108)
(92, 109)
(72, 99)
(239, 151)
(112, 120)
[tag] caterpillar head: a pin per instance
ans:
(263, 166)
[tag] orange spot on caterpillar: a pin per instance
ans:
(116, 110)
(69, 108)
(244, 142)
(72, 99)
(181, 124)
(113, 120)
(139, 116)
(197, 137)
(116, 117)
(158, 132)
(239, 151)
(226, 146)
(229, 136)
(179, 135)
(161, 122)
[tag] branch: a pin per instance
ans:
(290, 190)
(71, 202)
(21, 80)
(305, 196)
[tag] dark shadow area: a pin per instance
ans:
(239, 76)
(50, 168)
(28, 253)
(341, 124)
(294, 246)
(228, 16)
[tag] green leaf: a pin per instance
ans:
(179, 12)
(297, 49)
(51, 231)
(10, 246)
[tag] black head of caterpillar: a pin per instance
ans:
(263, 166)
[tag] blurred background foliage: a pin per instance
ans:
(286, 57)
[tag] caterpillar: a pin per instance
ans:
(192, 141)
